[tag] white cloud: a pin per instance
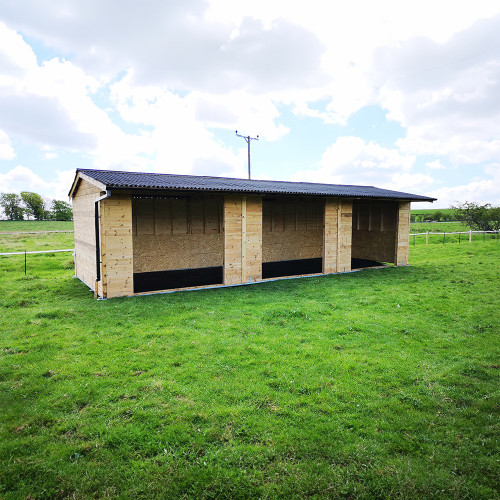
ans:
(21, 178)
(6, 150)
(446, 94)
(435, 165)
(480, 191)
(173, 44)
(350, 160)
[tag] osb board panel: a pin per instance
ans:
(330, 236)
(84, 232)
(117, 246)
(233, 239)
(200, 214)
(165, 252)
(403, 234)
(344, 235)
(253, 239)
(292, 245)
(291, 214)
(374, 230)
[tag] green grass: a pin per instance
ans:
(35, 242)
(377, 384)
(438, 227)
(32, 225)
(426, 211)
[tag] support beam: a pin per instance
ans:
(242, 239)
(344, 238)
(330, 236)
(403, 234)
(116, 247)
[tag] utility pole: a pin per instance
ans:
(248, 139)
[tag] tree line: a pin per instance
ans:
(477, 217)
(437, 216)
(28, 205)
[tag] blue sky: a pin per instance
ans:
(394, 94)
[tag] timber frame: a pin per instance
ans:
(133, 239)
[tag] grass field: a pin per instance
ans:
(32, 225)
(437, 227)
(34, 242)
(425, 211)
(377, 384)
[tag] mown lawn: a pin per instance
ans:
(438, 227)
(377, 384)
(14, 237)
(33, 225)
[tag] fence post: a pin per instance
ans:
(459, 234)
(25, 262)
(470, 236)
(427, 238)
(444, 237)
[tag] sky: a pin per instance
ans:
(395, 94)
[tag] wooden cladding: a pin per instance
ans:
(242, 239)
(296, 214)
(374, 216)
(201, 215)
(403, 234)
(116, 247)
(84, 231)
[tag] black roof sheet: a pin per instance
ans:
(138, 180)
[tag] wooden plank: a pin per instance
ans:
(163, 217)
(117, 245)
(145, 215)
(84, 231)
(244, 239)
(344, 236)
(253, 239)
(403, 234)
(330, 235)
(196, 217)
(232, 239)
(179, 217)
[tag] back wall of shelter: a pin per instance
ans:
(184, 233)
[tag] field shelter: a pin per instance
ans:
(141, 232)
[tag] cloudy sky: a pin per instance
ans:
(396, 94)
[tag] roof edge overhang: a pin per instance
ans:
(155, 191)
(79, 176)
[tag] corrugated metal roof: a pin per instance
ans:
(138, 180)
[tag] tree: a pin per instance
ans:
(35, 205)
(437, 216)
(60, 210)
(478, 217)
(11, 204)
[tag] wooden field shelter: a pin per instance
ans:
(139, 232)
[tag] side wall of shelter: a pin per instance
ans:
(374, 230)
(84, 232)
